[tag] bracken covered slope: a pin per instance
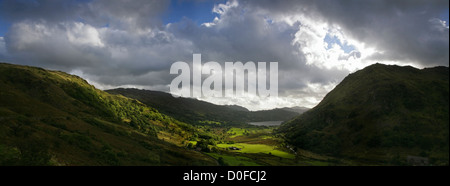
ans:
(53, 118)
(381, 114)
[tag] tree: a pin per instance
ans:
(203, 145)
(190, 146)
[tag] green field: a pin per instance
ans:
(257, 148)
(235, 132)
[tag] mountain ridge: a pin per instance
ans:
(53, 118)
(380, 113)
(195, 111)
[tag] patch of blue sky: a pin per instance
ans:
(197, 10)
(4, 26)
(330, 40)
(444, 16)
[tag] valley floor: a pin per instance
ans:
(259, 146)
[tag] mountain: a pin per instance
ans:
(53, 118)
(297, 109)
(383, 114)
(200, 112)
(237, 107)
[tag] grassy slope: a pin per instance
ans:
(257, 148)
(50, 117)
(260, 147)
(381, 113)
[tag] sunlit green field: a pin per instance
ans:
(235, 132)
(257, 148)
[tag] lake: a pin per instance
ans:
(266, 123)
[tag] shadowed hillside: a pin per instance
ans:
(382, 114)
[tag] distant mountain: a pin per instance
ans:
(53, 118)
(237, 108)
(383, 114)
(198, 112)
(297, 109)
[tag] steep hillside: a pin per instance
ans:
(53, 118)
(198, 112)
(380, 114)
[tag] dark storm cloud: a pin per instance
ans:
(405, 30)
(242, 34)
(249, 38)
(100, 37)
(125, 14)
(49, 10)
(116, 43)
(104, 51)
(115, 13)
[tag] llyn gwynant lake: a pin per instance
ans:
(266, 123)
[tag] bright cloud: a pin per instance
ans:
(316, 43)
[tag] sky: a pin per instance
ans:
(132, 44)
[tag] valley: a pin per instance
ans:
(381, 115)
(250, 145)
